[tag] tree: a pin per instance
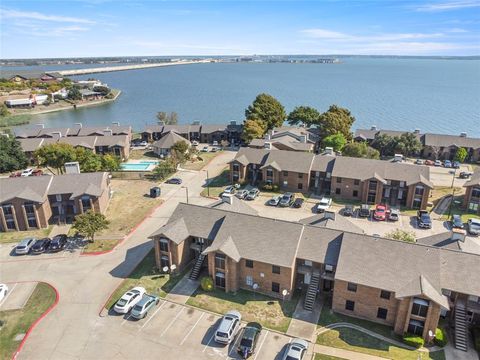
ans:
(337, 142)
(88, 160)
(110, 162)
(384, 143)
(56, 155)
(74, 94)
(266, 110)
(305, 115)
(252, 129)
(167, 119)
(461, 155)
(4, 110)
(90, 223)
(402, 235)
(360, 150)
(165, 169)
(12, 156)
(336, 120)
(407, 144)
(104, 90)
(179, 151)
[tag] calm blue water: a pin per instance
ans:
(433, 95)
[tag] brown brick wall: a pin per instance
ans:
(347, 186)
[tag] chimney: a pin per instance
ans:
(416, 131)
(42, 126)
(458, 234)
(196, 122)
(328, 150)
(56, 135)
(233, 122)
(227, 198)
(268, 136)
(116, 123)
(303, 139)
(107, 132)
(268, 145)
(329, 215)
(463, 134)
(374, 127)
(79, 125)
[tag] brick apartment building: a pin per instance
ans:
(36, 201)
(407, 286)
(366, 180)
(471, 201)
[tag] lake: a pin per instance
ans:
(432, 95)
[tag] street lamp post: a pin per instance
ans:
(453, 172)
(186, 190)
(208, 183)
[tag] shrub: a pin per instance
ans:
(267, 187)
(413, 340)
(440, 337)
(206, 283)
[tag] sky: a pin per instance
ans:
(86, 28)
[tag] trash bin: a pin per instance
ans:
(155, 192)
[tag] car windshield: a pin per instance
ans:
(246, 342)
(222, 334)
(137, 308)
(425, 217)
(290, 358)
(380, 210)
(323, 202)
(122, 302)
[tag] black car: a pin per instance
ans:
(364, 211)
(41, 246)
(298, 203)
(176, 181)
(348, 210)
(423, 219)
(58, 243)
(457, 222)
(249, 338)
(464, 175)
(286, 200)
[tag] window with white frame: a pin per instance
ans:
(249, 281)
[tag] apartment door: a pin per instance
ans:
(306, 278)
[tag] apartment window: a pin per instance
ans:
(29, 209)
(58, 197)
(249, 264)
(419, 190)
(164, 245)
(300, 186)
(476, 192)
(86, 203)
(416, 327)
(32, 222)
(384, 294)
(339, 180)
(236, 167)
(356, 182)
(269, 173)
(382, 313)
(417, 203)
(420, 307)
(285, 173)
(275, 287)
(10, 224)
(220, 279)
(338, 191)
(473, 206)
(249, 281)
(372, 185)
(355, 193)
(7, 210)
(352, 287)
(300, 176)
(164, 261)
(219, 261)
(350, 305)
(275, 269)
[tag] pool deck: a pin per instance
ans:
(139, 165)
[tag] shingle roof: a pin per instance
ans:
(339, 223)
(208, 129)
(32, 188)
(181, 129)
(112, 140)
(99, 130)
(449, 140)
(31, 144)
(474, 180)
(83, 141)
(236, 205)
(72, 131)
(79, 184)
(323, 163)
(369, 134)
(28, 74)
(153, 128)
(167, 141)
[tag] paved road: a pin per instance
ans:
(84, 282)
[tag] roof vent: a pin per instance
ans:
(463, 134)
(79, 125)
(42, 126)
(56, 134)
(329, 215)
(268, 145)
(458, 234)
(116, 123)
(374, 127)
(107, 132)
(227, 198)
(196, 122)
(233, 122)
(416, 131)
(329, 150)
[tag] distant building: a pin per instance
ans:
(163, 147)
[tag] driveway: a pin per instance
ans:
(85, 282)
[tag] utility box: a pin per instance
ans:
(155, 192)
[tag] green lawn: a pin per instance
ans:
(14, 120)
(17, 322)
(457, 208)
(203, 159)
(326, 357)
(146, 275)
(16, 236)
(100, 245)
(269, 312)
(217, 184)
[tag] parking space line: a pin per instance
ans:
(125, 320)
(238, 338)
(8, 294)
(260, 348)
(171, 322)
(151, 317)
(209, 341)
(193, 327)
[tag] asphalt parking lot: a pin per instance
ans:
(171, 329)
(17, 295)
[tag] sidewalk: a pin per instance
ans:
(304, 322)
(183, 290)
(343, 354)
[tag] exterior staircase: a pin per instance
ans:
(461, 328)
(194, 274)
(311, 294)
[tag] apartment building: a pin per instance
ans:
(366, 180)
(471, 201)
(292, 138)
(407, 286)
(40, 131)
(36, 201)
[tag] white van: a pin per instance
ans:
(228, 327)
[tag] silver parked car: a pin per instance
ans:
(24, 246)
(473, 226)
(274, 200)
(140, 310)
(228, 327)
(296, 350)
(252, 194)
(241, 194)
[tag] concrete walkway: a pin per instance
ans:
(59, 229)
(304, 322)
(183, 290)
(343, 354)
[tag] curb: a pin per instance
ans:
(36, 322)
(102, 252)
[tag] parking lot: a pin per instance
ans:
(171, 329)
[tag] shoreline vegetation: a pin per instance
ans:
(24, 116)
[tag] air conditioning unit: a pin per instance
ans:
(328, 268)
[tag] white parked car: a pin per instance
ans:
(195, 143)
(129, 300)
(274, 200)
(205, 149)
(3, 291)
(229, 190)
(24, 246)
(228, 327)
(26, 172)
(324, 204)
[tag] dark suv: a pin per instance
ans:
(364, 210)
(423, 219)
(41, 246)
(58, 243)
(249, 338)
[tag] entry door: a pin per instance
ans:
(306, 279)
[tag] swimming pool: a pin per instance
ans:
(147, 165)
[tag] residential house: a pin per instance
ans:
(213, 133)
(163, 146)
(34, 202)
(404, 285)
(23, 76)
(152, 133)
(471, 200)
(444, 147)
(368, 135)
(288, 138)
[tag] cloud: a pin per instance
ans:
(457, 31)
(31, 15)
(449, 5)
(159, 45)
(338, 36)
